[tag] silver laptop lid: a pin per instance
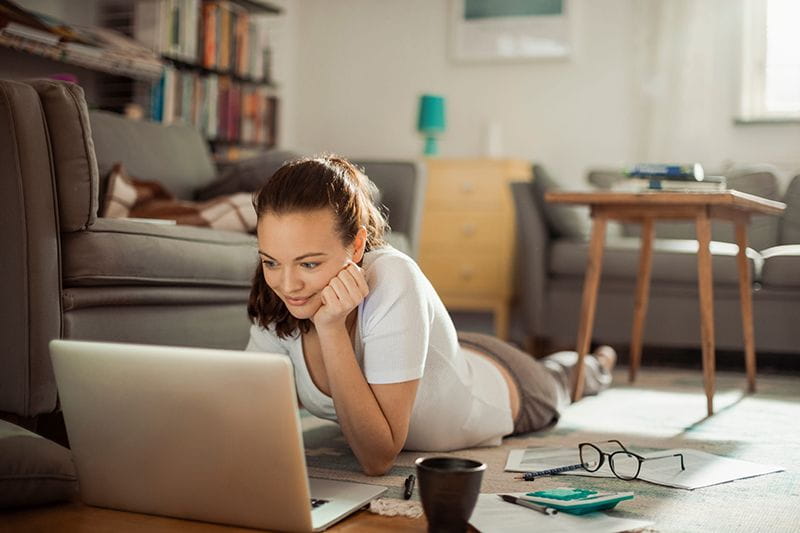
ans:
(210, 435)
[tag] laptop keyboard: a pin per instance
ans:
(315, 502)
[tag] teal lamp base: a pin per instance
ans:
(431, 146)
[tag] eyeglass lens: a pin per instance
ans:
(591, 457)
(624, 464)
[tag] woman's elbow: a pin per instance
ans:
(378, 466)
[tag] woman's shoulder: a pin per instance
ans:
(388, 257)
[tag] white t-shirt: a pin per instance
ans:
(403, 332)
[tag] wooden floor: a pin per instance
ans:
(78, 518)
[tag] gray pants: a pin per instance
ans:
(545, 385)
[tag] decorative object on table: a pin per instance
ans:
(449, 488)
(484, 30)
(431, 121)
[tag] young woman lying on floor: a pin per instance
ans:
(373, 346)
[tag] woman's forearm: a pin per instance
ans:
(361, 418)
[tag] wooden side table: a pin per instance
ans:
(467, 240)
(646, 208)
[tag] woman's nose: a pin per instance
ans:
(291, 282)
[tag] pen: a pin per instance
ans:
(409, 487)
(530, 476)
(530, 505)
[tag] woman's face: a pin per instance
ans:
(300, 253)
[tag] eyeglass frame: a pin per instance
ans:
(624, 450)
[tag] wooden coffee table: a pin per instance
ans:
(76, 517)
(645, 208)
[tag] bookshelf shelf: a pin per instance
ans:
(195, 67)
(85, 56)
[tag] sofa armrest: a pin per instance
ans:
(30, 281)
(532, 244)
(402, 188)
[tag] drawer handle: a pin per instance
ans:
(467, 187)
(467, 272)
(469, 229)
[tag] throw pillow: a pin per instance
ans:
(247, 175)
(33, 470)
(129, 197)
(571, 222)
(790, 222)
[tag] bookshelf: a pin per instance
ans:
(217, 67)
(206, 63)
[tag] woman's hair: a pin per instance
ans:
(311, 184)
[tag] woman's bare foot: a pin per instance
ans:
(606, 356)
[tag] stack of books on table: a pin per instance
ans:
(674, 178)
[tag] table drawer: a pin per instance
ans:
(467, 189)
(478, 275)
(470, 228)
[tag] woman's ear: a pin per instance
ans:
(359, 244)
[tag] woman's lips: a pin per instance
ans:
(297, 301)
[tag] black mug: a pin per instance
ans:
(448, 488)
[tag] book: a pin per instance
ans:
(690, 172)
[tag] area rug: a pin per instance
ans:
(663, 409)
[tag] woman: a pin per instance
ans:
(373, 346)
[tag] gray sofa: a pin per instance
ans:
(552, 249)
(66, 273)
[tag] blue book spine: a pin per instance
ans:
(157, 100)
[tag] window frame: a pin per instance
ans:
(752, 100)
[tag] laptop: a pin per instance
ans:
(211, 435)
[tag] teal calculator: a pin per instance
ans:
(577, 501)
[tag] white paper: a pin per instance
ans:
(702, 469)
(493, 515)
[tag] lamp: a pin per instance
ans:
(431, 120)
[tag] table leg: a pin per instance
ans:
(704, 282)
(746, 299)
(642, 295)
(594, 265)
(501, 320)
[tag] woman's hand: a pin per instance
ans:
(343, 294)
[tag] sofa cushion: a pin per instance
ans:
(33, 470)
(72, 149)
(781, 266)
(246, 175)
(563, 221)
(790, 222)
(762, 230)
(126, 252)
(674, 260)
(175, 155)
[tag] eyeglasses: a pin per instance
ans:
(624, 464)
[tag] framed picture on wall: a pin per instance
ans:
(498, 30)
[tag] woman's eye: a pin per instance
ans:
(269, 264)
(309, 266)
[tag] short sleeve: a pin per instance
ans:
(265, 340)
(396, 321)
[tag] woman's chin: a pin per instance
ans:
(303, 312)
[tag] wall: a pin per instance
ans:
(361, 64)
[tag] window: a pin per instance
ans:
(771, 61)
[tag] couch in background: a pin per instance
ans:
(552, 249)
(67, 273)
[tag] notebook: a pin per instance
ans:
(202, 434)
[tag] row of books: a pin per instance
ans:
(214, 34)
(221, 108)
